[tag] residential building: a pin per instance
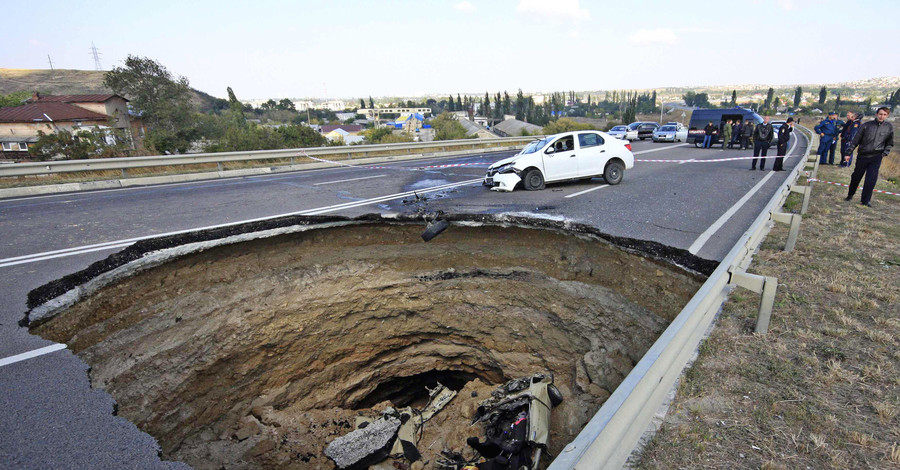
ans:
(515, 128)
(375, 113)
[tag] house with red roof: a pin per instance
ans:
(19, 125)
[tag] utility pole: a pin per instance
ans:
(96, 57)
(51, 62)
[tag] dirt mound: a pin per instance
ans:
(256, 355)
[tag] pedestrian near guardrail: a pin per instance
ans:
(848, 132)
(784, 135)
(828, 132)
(762, 139)
(746, 133)
(875, 140)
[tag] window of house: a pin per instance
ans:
(15, 147)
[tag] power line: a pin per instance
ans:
(96, 55)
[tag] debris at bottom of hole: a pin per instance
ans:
(364, 447)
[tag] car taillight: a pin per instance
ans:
(628, 146)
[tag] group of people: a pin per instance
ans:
(762, 136)
(829, 130)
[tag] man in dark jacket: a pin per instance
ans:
(709, 130)
(735, 133)
(746, 133)
(762, 139)
(784, 135)
(828, 131)
(875, 140)
(848, 132)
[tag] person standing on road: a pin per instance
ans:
(710, 129)
(746, 133)
(762, 139)
(735, 133)
(784, 135)
(828, 131)
(849, 131)
(726, 134)
(875, 140)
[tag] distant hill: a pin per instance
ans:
(72, 82)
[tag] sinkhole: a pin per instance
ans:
(255, 351)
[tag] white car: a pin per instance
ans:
(561, 157)
(619, 132)
(670, 133)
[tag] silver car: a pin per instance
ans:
(619, 132)
(670, 133)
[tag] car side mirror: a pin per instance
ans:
(550, 150)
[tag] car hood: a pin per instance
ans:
(505, 161)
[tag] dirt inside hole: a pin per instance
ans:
(258, 354)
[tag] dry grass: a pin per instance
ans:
(822, 389)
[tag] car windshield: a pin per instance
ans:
(618, 128)
(534, 146)
(634, 125)
(667, 128)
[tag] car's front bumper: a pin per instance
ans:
(664, 138)
(502, 181)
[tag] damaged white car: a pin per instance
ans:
(561, 157)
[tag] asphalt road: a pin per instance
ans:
(51, 418)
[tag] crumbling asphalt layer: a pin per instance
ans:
(652, 249)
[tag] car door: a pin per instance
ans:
(561, 162)
(592, 155)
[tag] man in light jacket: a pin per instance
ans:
(762, 139)
(875, 140)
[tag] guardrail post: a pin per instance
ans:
(124, 173)
(292, 161)
(805, 191)
(794, 221)
(765, 285)
(219, 166)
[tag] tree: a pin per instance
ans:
(371, 102)
(520, 105)
(506, 103)
(733, 97)
(79, 145)
(16, 98)
(652, 100)
(446, 127)
(798, 95)
(689, 98)
(161, 99)
(565, 125)
(769, 95)
(486, 105)
(286, 105)
(362, 103)
(823, 95)
(450, 105)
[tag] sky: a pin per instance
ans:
(357, 48)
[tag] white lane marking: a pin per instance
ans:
(704, 237)
(667, 147)
(587, 191)
(351, 179)
(30, 354)
(316, 211)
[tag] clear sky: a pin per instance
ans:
(357, 48)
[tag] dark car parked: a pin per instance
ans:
(646, 129)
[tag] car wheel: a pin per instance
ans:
(555, 395)
(613, 172)
(533, 180)
(698, 144)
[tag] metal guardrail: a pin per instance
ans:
(359, 151)
(610, 436)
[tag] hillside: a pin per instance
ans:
(71, 82)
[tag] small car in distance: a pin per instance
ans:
(560, 157)
(670, 133)
(646, 130)
(619, 132)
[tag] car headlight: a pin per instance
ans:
(506, 168)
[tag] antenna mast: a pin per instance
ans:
(51, 62)
(96, 57)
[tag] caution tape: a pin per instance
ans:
(367, 167)
(714, 160)
(817, 180)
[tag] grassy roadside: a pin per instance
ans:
(822, 389)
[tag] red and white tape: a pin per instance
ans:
(817, 180)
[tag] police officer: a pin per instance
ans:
(875, 140)
(784, 135)
(848, 132)
(828, 132)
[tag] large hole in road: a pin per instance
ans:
(257, 354)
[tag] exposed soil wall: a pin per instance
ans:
(255, 355)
